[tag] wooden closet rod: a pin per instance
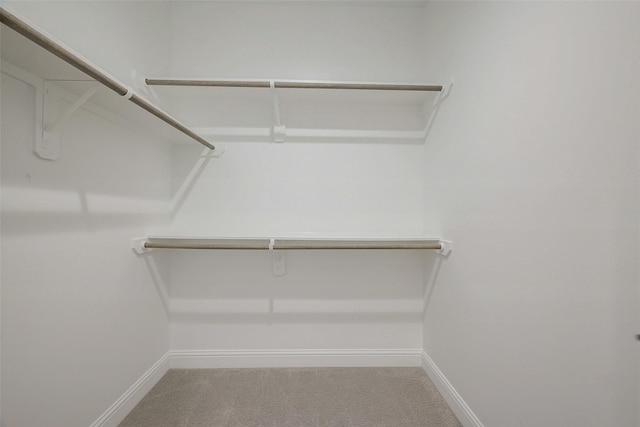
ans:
(155, 245)
(290, 244)
(293, 84)
(298, 245)
(50, 45)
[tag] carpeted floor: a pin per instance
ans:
(393, 397)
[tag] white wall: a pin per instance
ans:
(348, 300)
(531, 168)
(82, 318)
(128, 39)
(274, 189)
(302, 40)
(331, 301)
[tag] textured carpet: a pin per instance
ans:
(394, 397)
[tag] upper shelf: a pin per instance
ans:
(293, 84)
(36, 51)
(235, 110)
(301, 110)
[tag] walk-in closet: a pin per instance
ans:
(319, 213)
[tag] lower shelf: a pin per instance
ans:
(145, 244)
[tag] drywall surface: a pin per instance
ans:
(128, 39)
(285, 189)
(302, 186)
(326, 300)
(331, 41)
(82, 317)
(531, 168)
(334, 300)
(302, 40)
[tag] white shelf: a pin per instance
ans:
(299, 114)
(291, 110)
(18, 52)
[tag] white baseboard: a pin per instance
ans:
(208, 359)
(119, 410)
(453, 398)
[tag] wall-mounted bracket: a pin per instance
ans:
(48, 147)
(138, 245)
(446, 247)
(50, 126)
(279, 130)
(429, 110)
(278, 263)
(279, 133)
(278, 260)
(446, 89)
(38, 85)
(219, 151)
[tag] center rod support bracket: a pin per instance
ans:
(279, 130)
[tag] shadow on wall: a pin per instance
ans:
(186, 174)
(432, 265)
(158, 271)
(106, 176)
(27, 210)
(319, 286)
(280, 318)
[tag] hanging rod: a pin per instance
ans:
(355, 244)
(295, 245)
(294, 84)
(144, 244)
(73, 59)
(221, 245)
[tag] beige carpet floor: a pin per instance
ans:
(295, 397)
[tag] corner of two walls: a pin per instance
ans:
(82, 318)
(79, 312)
(531, 168)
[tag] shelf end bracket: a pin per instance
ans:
(446, 247)
(48, 147)
(138, 245)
